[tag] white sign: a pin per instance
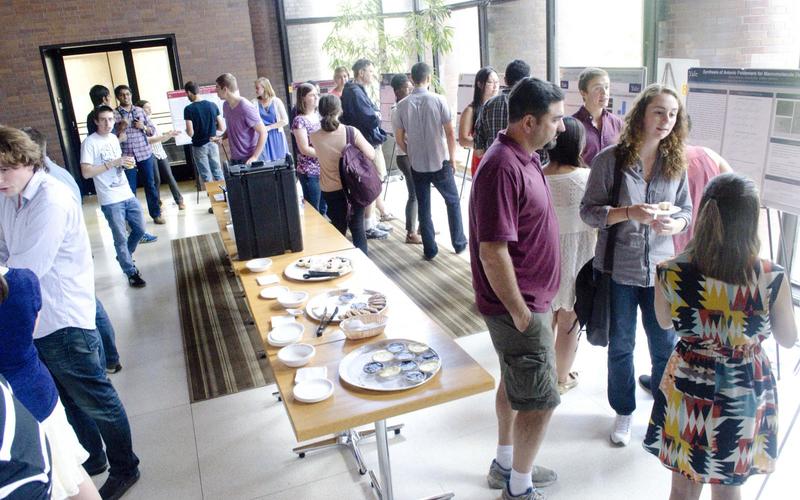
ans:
(752, 118)
(626, 84)
(674, 73)
(178, 100)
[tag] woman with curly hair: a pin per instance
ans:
(653, 205)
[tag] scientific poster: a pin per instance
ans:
(752, 118)
(626, 83)
(178, 101)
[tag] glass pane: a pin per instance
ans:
(507, 22)
(394, 6)
(154, 80)
(86, 70)
(309, 61)
(581, 43)
(298, 9)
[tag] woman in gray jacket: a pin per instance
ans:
(653, 205)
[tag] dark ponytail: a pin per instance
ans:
(330, 109)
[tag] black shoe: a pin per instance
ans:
(93, 471)
(113, 368)
(644, 382)
(460, 249)
(136, 281)
(115, 487)
(210, 210)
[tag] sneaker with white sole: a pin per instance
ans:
(531, 494)
(621, 435)
(384, 227)
(498, 476)
(376, 234)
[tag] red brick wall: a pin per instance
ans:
(731, 33)
(213, 37)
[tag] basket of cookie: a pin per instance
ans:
(364, 326)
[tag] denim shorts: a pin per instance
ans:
(527, 361)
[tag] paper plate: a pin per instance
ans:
(297, 269)
(272, 292)
(285, 334)
(313, 391)
(662, 213)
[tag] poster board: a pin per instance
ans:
(178, 100)
(752, 118)
(626, 83)
(674, 73)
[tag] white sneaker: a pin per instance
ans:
(621, 435)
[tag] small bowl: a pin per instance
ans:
(292, 299)
(296, 355)
(284, 335)
(353, 331)
(272, 292)
(258, 265)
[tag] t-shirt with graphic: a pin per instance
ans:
(112, 185)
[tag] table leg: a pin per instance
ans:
(383, 460)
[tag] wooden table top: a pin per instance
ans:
(349, 407)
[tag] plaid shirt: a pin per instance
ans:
(492, 118)
(136, 144)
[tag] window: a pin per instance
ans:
(591, 33)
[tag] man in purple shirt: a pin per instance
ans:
(602, 126)
(134, 128)
(514, 252)
(244, 129)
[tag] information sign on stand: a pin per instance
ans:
(752, 118)
(626, 84)
(178, 100)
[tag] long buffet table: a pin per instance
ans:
(460, 376)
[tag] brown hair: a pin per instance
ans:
(18, 150)
(330, 108)
(341, 70)
(587, 75)
(671, 147)
(725, 244)
(3, 288)
(227, 81)
(269, 92)
(302, 91)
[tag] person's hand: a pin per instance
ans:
(216, 139)
(642, 213)
(667, 226)
(522, 320)
(122, 126)
(127, 162)
(174, 133)
(138, 124)
(251, 160)
(449, 164)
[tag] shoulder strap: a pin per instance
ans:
(608, 260)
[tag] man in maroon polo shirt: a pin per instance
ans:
(514, 249)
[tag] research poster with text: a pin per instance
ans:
(752, 118)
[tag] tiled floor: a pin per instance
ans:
(239, 446)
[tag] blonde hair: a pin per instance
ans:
(269, 92)
(18, 150)
(671, 147)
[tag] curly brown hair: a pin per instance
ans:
(671, 147)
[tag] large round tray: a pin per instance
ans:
(333, 298)
(295, 272)
(351, 368)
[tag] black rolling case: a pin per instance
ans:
(262, 199)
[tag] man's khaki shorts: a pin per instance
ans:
(527, 361)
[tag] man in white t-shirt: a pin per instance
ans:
(102, 161)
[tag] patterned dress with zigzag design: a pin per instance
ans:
(715, 415)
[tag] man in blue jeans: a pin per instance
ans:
(133, 128)
(423, 127)
(42, 229)
(203, 122)
(102, 161)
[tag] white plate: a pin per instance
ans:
(674, 209)
(352, 372)
(310, 373)
(272, 292)
(295, 271)
(285, 334)
(332, 299)
(313, 391)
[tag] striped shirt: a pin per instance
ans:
(24, 451)
(136, 144)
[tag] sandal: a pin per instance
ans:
(387, 217)
(572, 381)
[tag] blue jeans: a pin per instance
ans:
(107, 335)
(341, 219)
(622, 339)
(92, 405)
(148, 169)
(312, 193)
(206, 159)
(117, 214)
(445, 183)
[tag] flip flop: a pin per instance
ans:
(572, 381)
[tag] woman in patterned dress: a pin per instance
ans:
(715, 414)
(304, 124)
